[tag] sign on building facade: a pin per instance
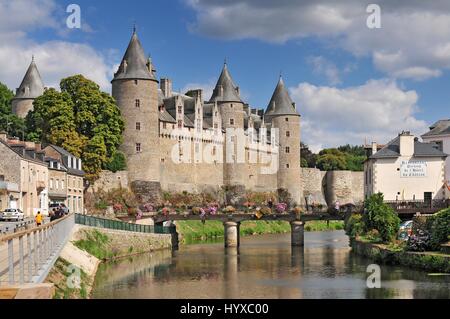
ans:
(413, 169)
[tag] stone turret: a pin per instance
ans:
(281, 113)
(30, 88)
(226, 95)
(135, 89)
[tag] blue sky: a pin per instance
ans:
(350, 83)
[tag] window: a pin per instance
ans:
(62, 185)
(286, 119)
(287, 165)
(231, 105)
(137, 103)
(288, 133)
(51, 183)
(138, 147)
(439, 145)
(138, 126)
(180, 123)
(57, 184)
(180, 109)
(288, 150)
(164, 125)
(197, 148)
(231, 121)
(135, 82)
(215, 126)
(214, 151)
(215, 113)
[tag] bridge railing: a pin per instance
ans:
(99, 222)
(27, 256)
(418, 205)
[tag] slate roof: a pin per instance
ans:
(31, 86)
(134, 64)
(441, 127)
(65, 154)
(164, 116)
(392, 150)
(280, 103)
(225, 82)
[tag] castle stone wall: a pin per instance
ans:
(312, 182)
(109, 180)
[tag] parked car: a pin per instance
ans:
(12, 214)
(405, 230)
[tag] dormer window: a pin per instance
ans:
(180, 109)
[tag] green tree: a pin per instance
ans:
(9, 122)
(331, 159)
(117, 162)
(80, 118)
(308, 158)
(380, 216)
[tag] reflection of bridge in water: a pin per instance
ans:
(232, 222)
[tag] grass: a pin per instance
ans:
(59, 276)
(96, 244)
(196, 230)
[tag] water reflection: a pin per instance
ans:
(263, 267)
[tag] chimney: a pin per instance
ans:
(406, 144)
(166, 87)
(374, 147)
(197, 93)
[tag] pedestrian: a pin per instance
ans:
(38, 219)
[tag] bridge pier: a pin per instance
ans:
(231, 233)
(297, 233)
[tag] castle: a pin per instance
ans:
(180, 142)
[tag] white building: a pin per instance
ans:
(440, 134)
(406, 169)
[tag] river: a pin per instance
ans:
(263, 267)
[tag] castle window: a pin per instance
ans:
(180, 110)
(138, 126)
(288, 150)
(231, 105)
(138, 147)
(287, 165)
(135, 82)
(288, 133)
(215, 113)
(231, 121)
(180, 123)
(137, 102)
(287, 119)
(214, 151)
(164, 125)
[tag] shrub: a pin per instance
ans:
(420, 241)
(380, 216)
(354, 225)
(440, 228)
(117, 162)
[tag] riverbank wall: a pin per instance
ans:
(428, 261)
(75, 270)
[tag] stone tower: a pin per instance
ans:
(226, 95)
(282, 115)
(135, 89)
(30, 88)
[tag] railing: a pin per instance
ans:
(27, 256)
(418, 205)
(93, 221)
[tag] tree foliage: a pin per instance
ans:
(346, 157)
(80, 118)
(9, 122)
(380, 216)
(117, 162)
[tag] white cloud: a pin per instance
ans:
(414, 41)
(375, 111)
(323, 66)
(55, 59)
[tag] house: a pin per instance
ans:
(23, 176)
(406, 169)
(440, 135)
(66, 178)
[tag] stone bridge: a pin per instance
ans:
(231, 223)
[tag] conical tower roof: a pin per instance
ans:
(134, 64)
(280, 103)
(225, 90)
(31, 86)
